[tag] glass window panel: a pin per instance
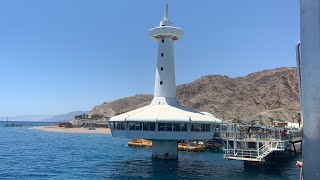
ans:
(176, 127)
(208, 128)
(168, 126)
(131, 126)
(138, 126)
(183, 127)
(116, 124)
(192, 127)
(203, 127)
(196, 127)
(161, 126)
(152, 126)
(145, 126)
(123, 126)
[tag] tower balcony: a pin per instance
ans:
(158, 33)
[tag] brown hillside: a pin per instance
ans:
(271, 93)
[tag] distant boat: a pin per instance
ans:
(12, 124)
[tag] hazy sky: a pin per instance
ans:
(58, 56)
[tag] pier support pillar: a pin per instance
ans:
(164, 149)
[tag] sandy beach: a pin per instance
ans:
(72, 130)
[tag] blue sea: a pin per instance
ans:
(34, 154)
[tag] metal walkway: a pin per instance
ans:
(252, 146)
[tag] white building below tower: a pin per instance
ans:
(164, 121)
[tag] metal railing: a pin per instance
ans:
(254, 154)
(242, 153)
(261, 136)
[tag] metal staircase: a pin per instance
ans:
(248, 146)
(257, 155)
(269, 147)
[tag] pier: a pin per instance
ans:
(254, 144)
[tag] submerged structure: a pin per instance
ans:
(164, 121)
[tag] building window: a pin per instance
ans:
(113, 126)
(161, 54)
(161, 69)
(161, 127)
(148, 126)
(168, 126)
(160, 82)
(119, 126)
(183, 127)
(206, 127)
(131, 126)
(122, 126)
(196, 127)
(176, 126)
(138, 126)
(134, 126)
(201, 127)
(152, 126)
(162, 40)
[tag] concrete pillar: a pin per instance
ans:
(310, 86)
(164, 149)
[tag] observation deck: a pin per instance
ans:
(161, 32)
(164, 122)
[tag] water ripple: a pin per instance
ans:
(30, 154)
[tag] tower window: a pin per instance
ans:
(161, 54)
(161, 69)
(162, 40)
(160, 82)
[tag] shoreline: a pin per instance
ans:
(72, 130)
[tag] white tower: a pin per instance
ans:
(165, 85)
(164, 121)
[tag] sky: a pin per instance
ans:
(58, 56)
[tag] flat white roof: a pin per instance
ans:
(166, 113)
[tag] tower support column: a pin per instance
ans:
(164, 149)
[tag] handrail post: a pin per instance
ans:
(258, 148)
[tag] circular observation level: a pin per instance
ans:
(159, 33)
(164, 122)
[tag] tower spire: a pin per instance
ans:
(166, 16)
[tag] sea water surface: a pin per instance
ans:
(34, 154)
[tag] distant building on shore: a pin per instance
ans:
(98, 123)
(65, 124)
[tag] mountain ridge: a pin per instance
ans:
(65, 117)
(268, 93)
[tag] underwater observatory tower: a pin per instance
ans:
(164, 121)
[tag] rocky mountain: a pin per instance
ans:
(65, 117)
(122, 105)
(264, 95)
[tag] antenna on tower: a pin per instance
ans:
(166, 16)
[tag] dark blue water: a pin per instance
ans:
(33, 154)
